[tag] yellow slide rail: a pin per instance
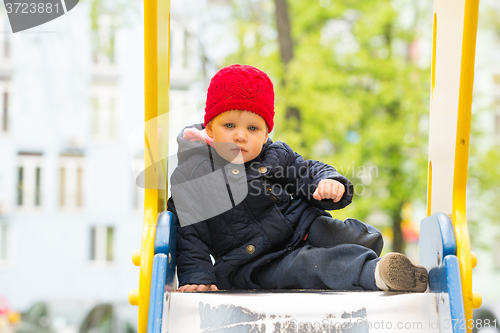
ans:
(452, 79)
(459, 218)
(157, 84)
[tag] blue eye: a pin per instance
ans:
(229, 125)
(252, 128)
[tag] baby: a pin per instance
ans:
(259, 209)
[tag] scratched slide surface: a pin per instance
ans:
(301, 312)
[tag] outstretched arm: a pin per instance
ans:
(317, 182)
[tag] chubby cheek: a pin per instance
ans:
(223, 137)
(254, 152)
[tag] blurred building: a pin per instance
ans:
(71, 93)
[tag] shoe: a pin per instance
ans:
(399, 274)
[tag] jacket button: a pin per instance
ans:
(273, 198)
(269, 189)
(236, 171)
(262, 169)
(250, 249)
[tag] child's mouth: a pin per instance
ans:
(239, 149)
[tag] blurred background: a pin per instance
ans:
(352, 89)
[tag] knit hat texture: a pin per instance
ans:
(240, 87)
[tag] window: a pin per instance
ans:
(4, 242)
(138, 197)
(4, 107)
(103, 112)
(5, 39)
(137, 191)
(5, 111)
(29, 180)
(185, 50)
(103, 40)
(71, 181)
(183, 46)
(101, 244)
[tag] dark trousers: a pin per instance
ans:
(338, 255)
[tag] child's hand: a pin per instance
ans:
(198, 287)
(329, 189)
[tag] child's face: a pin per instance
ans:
(238, 135)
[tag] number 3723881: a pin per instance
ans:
(470, 324)
(32, 8)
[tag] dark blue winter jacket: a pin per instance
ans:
(268, 222)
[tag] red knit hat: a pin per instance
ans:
(240, 87)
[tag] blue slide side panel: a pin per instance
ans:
(455, 293)
(447, 234)
(163, 230)
(437, 251)
(437, 240)
(166, 243)
(158, 278)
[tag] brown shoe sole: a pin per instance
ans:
(399, 274)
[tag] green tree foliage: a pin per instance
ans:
(361, 98)
(120, 14)
(484, 176)
(483, 192)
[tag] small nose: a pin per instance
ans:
(240, 136)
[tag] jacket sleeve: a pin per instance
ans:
(194, 265)
(303, 177)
